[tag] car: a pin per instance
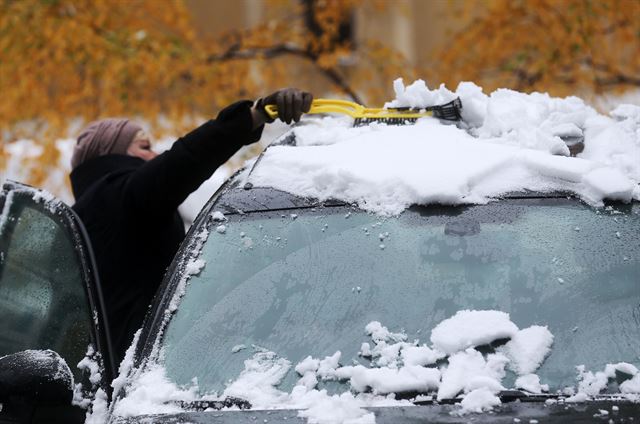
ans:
(287, 308)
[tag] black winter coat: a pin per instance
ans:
(129, 208)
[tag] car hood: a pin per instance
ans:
(560, 413)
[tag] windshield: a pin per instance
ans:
(308, 282)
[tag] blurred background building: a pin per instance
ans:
(412, 27)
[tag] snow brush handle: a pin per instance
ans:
(448, 111)
(344, 107)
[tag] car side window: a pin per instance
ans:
(43, 303)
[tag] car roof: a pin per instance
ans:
(238, 196)
(235, 196)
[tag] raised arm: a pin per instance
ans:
(163, 183)
(158, 187)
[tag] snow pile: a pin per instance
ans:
(631, 386)
(479, 400)
(508, 141)
(99, 409)
(609, 101)
(6, 209)
(591, 384)
(90, 365)
(190, 208)
(192, 265)
(218, 216)
(153, 393)
(472, 328)
(528, 348)
(142, 392)
(337, 409)
(126, 366)
(257, 383)
(470, 370)
(531, 384)
(452, 367)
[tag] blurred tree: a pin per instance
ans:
(64, 61)
(560, 46)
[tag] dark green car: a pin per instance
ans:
(295, 277)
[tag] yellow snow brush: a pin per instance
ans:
(393, 116)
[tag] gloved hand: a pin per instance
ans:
(291, 103)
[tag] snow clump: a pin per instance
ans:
(470, 370)
(479, 400)
(194, 266)
(528, 348)
(218, 216)
(531, 383)
(472, 328)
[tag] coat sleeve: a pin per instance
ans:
(158, 187)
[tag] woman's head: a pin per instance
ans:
(111, 136)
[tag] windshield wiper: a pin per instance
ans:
(505, 396)
(202, 405)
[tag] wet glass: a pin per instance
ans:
(309, 284)
(43, 303)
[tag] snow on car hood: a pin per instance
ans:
(395, 365)
(508, 141)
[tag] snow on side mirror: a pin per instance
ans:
(35, 376)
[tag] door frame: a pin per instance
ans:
(44, 201)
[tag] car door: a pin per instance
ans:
(50, 300)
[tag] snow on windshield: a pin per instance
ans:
(456, 364)
(507, 141)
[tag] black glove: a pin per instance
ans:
(291, 103)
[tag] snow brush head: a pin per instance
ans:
(393, 116)
(406, 115)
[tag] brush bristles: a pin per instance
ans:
(359, 122)
(448, 112)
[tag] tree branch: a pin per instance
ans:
(526, 79)
(618, 79)
(613, 77)
(234, 52)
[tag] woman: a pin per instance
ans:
(127, 197)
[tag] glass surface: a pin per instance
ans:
(42, 298)
(291, 285)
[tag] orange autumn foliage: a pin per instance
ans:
(563, 47)
(64, 61)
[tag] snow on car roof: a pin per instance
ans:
(508, 141)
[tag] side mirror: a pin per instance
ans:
(36, 387)
(38, 375)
